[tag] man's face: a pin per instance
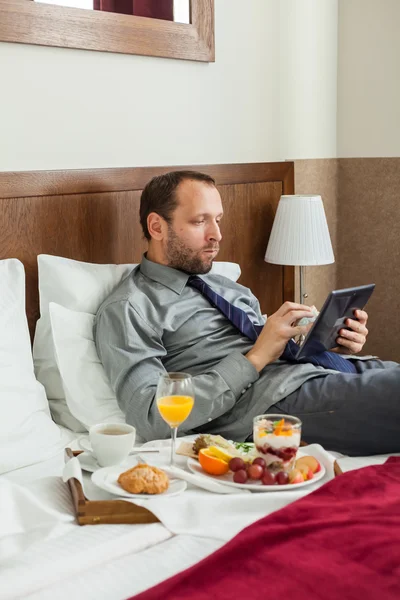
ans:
(193, 236)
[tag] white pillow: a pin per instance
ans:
(81, 287)
(87, 390)
(27, 433)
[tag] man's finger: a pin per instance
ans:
(295, 315)
(355, 326)
(361, 315)
(349, 345)
(300, 330)
(353, 336)
(289, 306)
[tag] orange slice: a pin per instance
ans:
(211, 464)
(282, 429)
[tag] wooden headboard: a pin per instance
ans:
(93, 216)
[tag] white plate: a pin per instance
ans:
(255, 486)
(107, 477)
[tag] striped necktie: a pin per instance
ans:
(240, 319)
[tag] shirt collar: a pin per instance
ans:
(173, 279)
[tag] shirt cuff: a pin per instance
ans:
(237, 372)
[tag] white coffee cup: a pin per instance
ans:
(111, 442)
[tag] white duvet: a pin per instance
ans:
(45, 554)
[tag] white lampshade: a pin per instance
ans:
(300, 234)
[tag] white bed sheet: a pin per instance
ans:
(103, 561)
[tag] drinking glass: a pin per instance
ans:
(175, 399)
(277, 440)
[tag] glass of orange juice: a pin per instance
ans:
(175, 399)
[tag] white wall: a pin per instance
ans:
(369, 78)
(308, 77)
(270, 95)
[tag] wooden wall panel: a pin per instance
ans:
(362, 203)
(94, 217)
(369, 244)
(249, 215)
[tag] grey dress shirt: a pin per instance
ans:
(153, 323)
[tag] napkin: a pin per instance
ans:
(197, 512)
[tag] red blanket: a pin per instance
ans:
(342, 542)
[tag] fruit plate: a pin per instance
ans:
(256, 486)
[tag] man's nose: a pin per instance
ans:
(214, 233)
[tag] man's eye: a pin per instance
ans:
(198, 222)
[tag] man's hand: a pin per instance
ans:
(351, 341)
(276, 333)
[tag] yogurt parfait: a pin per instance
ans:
(277, 439)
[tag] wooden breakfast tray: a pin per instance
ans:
(94, 512)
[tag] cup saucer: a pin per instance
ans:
(85, 444)
(89, 462)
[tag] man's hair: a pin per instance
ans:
(159, 195)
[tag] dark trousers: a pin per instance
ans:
(356, 414)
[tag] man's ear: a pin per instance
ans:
(157, 226)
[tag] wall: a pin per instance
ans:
(368, 78)
(67, 109)
(368, 241)
(362, 204)
(368, 124)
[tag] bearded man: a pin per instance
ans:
(172, 314)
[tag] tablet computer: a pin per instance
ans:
(339, 306)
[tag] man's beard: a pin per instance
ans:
(185, 259)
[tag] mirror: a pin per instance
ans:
(79, 24)
(177, 11)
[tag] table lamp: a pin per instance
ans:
(300, 235)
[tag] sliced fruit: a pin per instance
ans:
(296, 476)
(304, 469)
(282, 429)
(310, 461)
(220, 453)
(211, 464)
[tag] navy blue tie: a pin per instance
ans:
(244, 324)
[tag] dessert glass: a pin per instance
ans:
(277, 439)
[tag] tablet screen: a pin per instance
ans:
(339, 306)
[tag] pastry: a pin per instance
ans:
(144, 479)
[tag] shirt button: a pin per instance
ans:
(243, 391)
(249, 385)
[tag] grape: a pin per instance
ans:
(268, 478)
(236, 464)
(255, 471)
(282, 478)
(259, 461)
(240, 476)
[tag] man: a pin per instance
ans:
(161, 318)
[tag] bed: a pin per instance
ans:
(92, 216)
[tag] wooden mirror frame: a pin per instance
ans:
(29, 22)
